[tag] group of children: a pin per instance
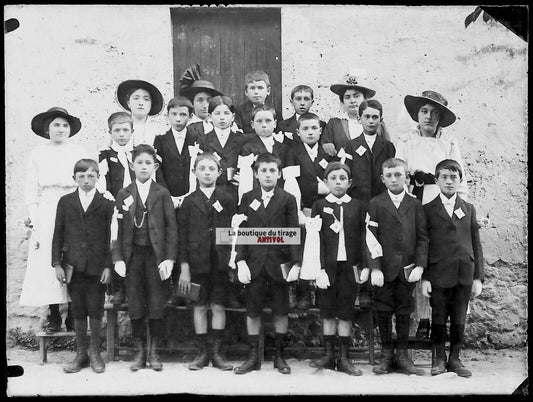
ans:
(163, 202)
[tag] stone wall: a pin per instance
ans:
(74, 56)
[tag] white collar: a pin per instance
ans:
(177, 133)
(208, 191)
(396, 197)
(267, 140)
(121, 148)
(143, 186)
(89, 194)
(222, 133)
(336, 200)
(264, 193)
(311, 150)
(367, 137)
(445, 200)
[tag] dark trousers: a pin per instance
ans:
(87, 295)
(395, 296)
(450, 302)
(147, 294)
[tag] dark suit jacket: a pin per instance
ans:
(243, 117)
(281, 212)
(196, 236)
(309, 171)
(255, 146)
(402, 234)
(366, 168)
(455, 253)
(174, 168)
(162, 227)
(81, 239)
(337, 133)
(354, 235)
(291, 125)
(115, 175)
(196, 129)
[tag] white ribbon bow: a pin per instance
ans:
(311, 257)
(246, 174)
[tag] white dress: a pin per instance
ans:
(48, 178)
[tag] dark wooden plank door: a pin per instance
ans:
(228, 43)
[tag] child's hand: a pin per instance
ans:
(426, 288)
(322, 281)
(416, 274)
(322, 188)
(477, 286)
(108, 196)
(120, 268)
(184, 284)
(329, 149)
(243, 272)
(60, 274)
(105, 278)
(294, 273)
(365, 273)
(376, 278)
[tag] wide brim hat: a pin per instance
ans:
(413, 104)
(38, 121)
(125, 87)
(200, 86)
(351, 81)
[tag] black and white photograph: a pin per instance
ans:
(266, 199)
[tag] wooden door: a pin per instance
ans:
(228, 43)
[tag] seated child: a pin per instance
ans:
(455, 268)
(81, 243)
(302, 99)
(202, 260)
(367, 152)
(396, 238)
(115, 174)
(341, 250)
(257, 89)
(147, 238)
(260, 266)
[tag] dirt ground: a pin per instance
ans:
(495, 372)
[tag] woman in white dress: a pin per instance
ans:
(422, 148)
(49, 176)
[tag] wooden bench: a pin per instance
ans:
(112, 310)
(44, 340)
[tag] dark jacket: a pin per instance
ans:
(115, 175)
(401, 232)
(82, 239)
(455, 253)
(291, 125)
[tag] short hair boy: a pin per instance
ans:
(341, 252)
(260, 266)
(367, 152)
(396, 241)
(147, 238)
(455, 269)
(256, 89)
(80, 246)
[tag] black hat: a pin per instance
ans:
(38, 121)
(191, 84)
(123, 90)
(413, 104)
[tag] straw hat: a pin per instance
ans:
(413, 104)
(38, 121)
(352, 81)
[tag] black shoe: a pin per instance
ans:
(139, 361)
(52, 325)
(326, 362)
(344, 365)
(405, 365)
(80, 361)
(216, 358)
(253, 362)
(200, 361)
(281, 365)
(385, 363)
(438, 365)
(96, 361)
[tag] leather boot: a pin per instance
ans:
(254, 361)
(385, 363)
(328, 361)
(97, 363)
(438, 365)
(139, 360)
(82, 358)
(279, 361)
(454, 363)
(405, 365)
(202, 357)
(344, 364)
(155, 361)
(216, 359)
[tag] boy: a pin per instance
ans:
(455, 268)
(302, 99)
(115, 174)
(260, 266)
(367, 152)
(341, 249)
(312, 160)
(174, 169)
(396, 238)
(147, 238)
(81, 243)
(202, 260)
(257, 88)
